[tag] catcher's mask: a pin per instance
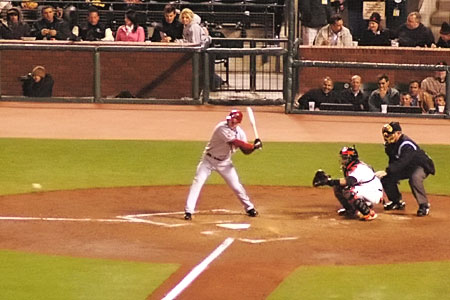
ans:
(236, 115)
(348, 155)
(389, 130)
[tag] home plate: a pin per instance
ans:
(234, 225)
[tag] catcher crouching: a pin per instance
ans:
(358, 190)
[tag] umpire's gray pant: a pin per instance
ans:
(416, 184)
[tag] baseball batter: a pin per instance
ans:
(227, 137)
(358, 191)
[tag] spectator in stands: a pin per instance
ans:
(325, 94)
(405, 99)
(383, 95)
(444, 38)
(419, 97)
(413, 33)
(170, 29)
(14, 28)
(49, 27)
(37, 83)
(193, 32)
(334, 34)
(439, 100)
(94, 30)
(313, 16)
(131, 31)
(435, 85)
(375, 35)
(355, 94)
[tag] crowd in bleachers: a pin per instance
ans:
(323, 24)
(428, 96)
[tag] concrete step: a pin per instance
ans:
(438, 17)
(443, 5)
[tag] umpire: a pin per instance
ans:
(406, 161)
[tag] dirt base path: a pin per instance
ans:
(297, 226)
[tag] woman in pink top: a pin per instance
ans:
(131, 31)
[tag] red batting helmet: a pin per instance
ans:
(235, 114)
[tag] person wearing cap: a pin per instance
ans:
(334, 34)
(14, 28)
(226, 139)
(406, 161)
(413, 33)
(38, 83)
(444, 38)
(435, 85)
(49, 27)
(375, 34)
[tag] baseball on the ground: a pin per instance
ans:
(36, 185)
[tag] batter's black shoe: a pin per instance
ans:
(252, 212)
(188, 216)
(424, 210)
(400, 205)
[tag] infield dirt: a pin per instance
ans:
(299, 225)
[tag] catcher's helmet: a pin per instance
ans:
(235, 114)
(389, 130)
(348, 156)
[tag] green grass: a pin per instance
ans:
(74, 164)
(410, 281)
(43, 277)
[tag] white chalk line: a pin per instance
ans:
(137, 218)
(197, 270)
(259, 241)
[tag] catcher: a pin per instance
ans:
(358, 190)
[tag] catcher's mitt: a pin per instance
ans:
(321, 178)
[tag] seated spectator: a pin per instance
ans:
(14, 28)
(375, 35)
(193, 32)
(325, 94)
(435, 85)
(444, 38)
(355, 95)
(313, 16)
(131, 31)
(170, 29)
(383, 95)
(439, 100)
(38, 83)
(49, 27)
(419, 97)
(93, 30)
(405, 99)
(334, 34)
(413, 33)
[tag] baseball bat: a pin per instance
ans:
(251, 117)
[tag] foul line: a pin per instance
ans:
(195, 272)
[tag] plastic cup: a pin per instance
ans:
(311, 105)
(441, 109)
(384, 108)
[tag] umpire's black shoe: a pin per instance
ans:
(252, 212)
(188, 216)
(424, 210)
(400, 205)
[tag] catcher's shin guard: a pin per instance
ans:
(343, 198)
(362, 206)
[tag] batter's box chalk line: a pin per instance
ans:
(138, 218)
